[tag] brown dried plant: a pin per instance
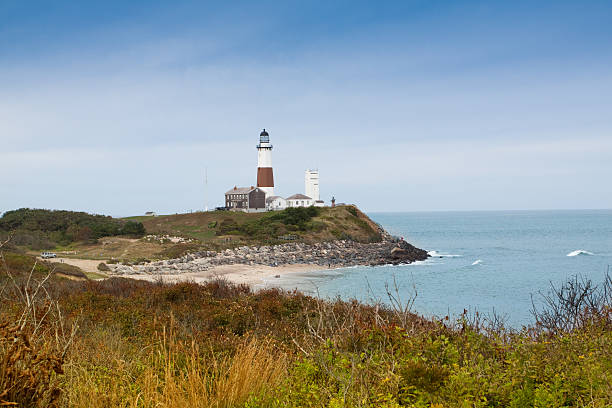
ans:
(27, 370)
(33, 341)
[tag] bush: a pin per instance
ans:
(228, 227)
(295, 215)
(133, 228)
(577, 303)
(103, 267)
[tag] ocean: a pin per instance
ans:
(481, 261)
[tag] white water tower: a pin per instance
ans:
(311, 184)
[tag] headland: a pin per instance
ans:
(241, 247)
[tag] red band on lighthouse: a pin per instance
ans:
(265, 177)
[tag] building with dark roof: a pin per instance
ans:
(249, 199)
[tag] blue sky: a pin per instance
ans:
(118, 107)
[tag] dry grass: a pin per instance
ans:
(27, 369)
(175, 374)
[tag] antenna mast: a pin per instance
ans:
(205, 189)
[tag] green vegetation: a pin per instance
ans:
(222, 229)
(268, 228)
(127, 343)
(46, 229)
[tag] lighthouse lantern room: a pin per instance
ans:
(265, 176)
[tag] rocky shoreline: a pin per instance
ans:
(341, 253)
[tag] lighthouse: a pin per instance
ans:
(265, 177)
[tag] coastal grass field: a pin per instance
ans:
(306, 225)
(127, 343)
(171, 236)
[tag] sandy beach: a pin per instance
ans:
(238, 273)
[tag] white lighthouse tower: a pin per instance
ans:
(265, 176)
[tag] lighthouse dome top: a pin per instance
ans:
(264, 137)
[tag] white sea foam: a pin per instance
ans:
(416, 263)
(477, 262)
(436, 254)
(580, 252)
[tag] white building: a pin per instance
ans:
(311, 184)
(275, 203)
(265, 175)
(300, 200)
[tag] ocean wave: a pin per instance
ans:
(580, 252)
(436, 254)
(477, 262)
(414, 263)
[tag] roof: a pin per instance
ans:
(299, 197)
(272, 198)
(264, 133)
(240, 190)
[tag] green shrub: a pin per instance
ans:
(227, 227)
(133, 228)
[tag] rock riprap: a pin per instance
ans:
(331, 254)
